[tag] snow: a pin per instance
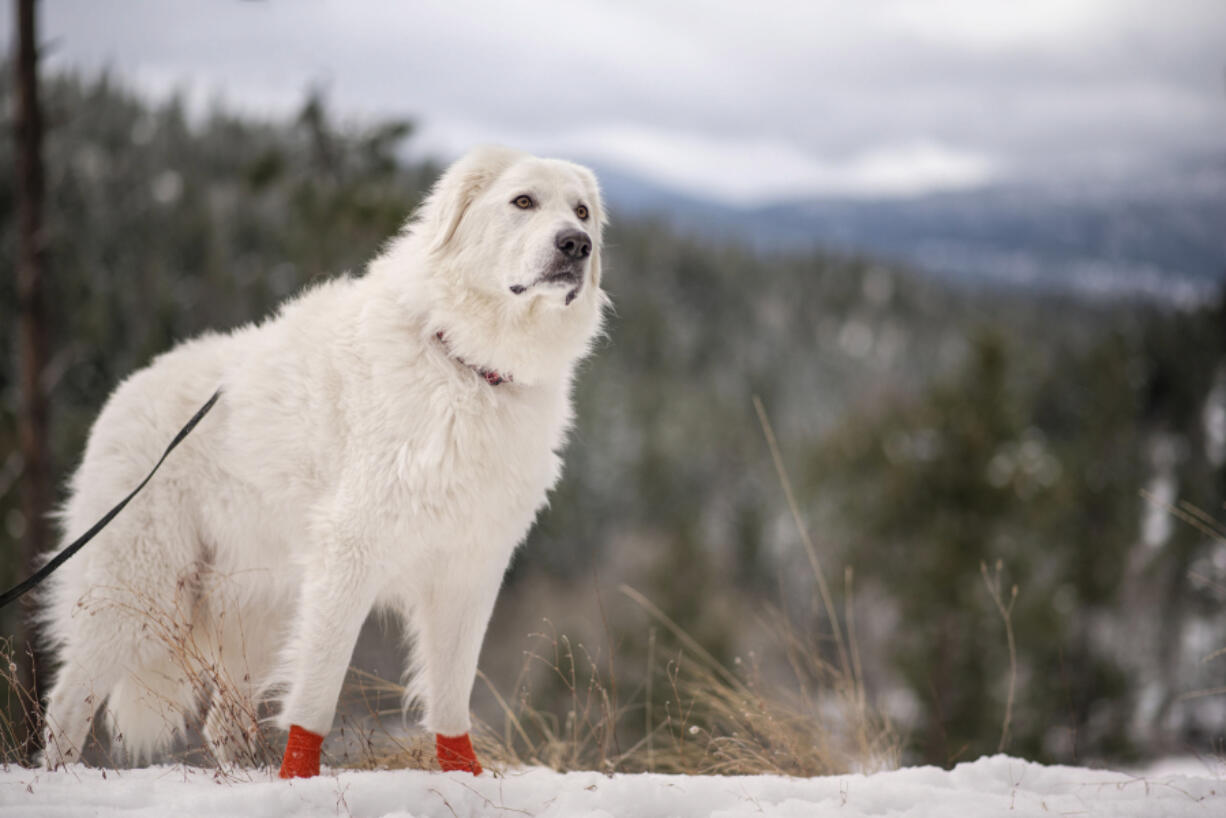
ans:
(999, 785)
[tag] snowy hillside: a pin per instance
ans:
(1158, 240)
(990, 786)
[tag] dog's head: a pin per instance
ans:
(512, 244)
(526, 227)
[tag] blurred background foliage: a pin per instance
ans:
(930, 428)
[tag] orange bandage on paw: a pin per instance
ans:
(456, 753)
(301, 753)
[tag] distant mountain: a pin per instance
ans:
(1164, 239)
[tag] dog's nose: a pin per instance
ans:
(574, 243)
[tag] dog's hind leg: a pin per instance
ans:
(242, 660)
(232, 727)
(147, 708)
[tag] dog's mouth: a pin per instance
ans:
(565, 276)
(562, 275)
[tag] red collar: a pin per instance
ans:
(490, 376)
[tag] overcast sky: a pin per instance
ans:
(743, 101)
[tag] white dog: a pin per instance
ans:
(383, 441)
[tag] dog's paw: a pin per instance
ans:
(456, 753)
(301, 753)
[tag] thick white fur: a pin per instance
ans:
(354, 460)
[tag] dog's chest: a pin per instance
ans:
(477, 452)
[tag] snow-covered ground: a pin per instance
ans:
(990, 786)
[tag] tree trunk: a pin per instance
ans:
(31, 343)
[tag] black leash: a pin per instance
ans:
(59, 559)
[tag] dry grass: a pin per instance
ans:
(1006, 614)
(689, 713)
(20, 714)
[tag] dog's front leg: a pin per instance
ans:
(337, 594)
(450, 627)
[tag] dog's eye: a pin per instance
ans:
(523, 202)
(581, 212)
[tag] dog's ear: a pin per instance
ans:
(596, 205)
(458, 188)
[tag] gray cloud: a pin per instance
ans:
(735, 100)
